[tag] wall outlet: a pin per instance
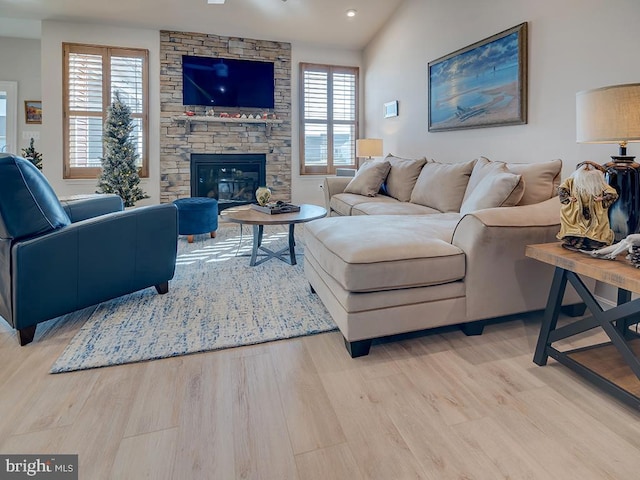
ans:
(26, 135)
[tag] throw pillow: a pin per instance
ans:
(541, 180)
(402, 176)
(369, 178)
(500, 189)
(481, 169)
(442, 185)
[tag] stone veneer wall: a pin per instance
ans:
(176, 145)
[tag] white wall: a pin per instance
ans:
(53, 35)
(573, 45)
(306, 188)
(20, 61)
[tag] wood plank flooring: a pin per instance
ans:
(438, 406)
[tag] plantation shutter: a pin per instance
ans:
(92, 75)
(328, 117)
(127, 77)
(344, 119)
(85, 109)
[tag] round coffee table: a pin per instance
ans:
(245, 215)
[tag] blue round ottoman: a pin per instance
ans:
(197, 215)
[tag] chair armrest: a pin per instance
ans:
(333, 186)
(93, 260)
(91, 206)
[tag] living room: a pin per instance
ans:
(436, 406)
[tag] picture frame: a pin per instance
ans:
(482, 85)
(391, 109)
(33, 111)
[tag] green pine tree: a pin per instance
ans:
(32, 155)
(119, 171)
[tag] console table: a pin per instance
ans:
(613, 366)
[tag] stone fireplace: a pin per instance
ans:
(232, 179)
(182, 138)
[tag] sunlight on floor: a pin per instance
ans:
(234, 246)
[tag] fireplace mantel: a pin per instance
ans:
(189, 119)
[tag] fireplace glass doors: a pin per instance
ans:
(232, 179)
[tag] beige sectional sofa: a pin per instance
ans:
(412, 244)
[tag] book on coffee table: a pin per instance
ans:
(273, 208)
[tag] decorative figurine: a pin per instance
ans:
(263, 195)
(585, 198)
(629, 244)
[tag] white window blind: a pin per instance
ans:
(92, 75)
(329, 117)
(85, 110)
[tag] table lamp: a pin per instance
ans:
(368, 147)
(612, 115)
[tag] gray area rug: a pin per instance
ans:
(216, 300)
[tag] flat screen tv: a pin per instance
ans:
(227, 82)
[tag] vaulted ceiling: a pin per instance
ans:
(321, 22)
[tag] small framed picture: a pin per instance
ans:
(33, 111)
(391, 109)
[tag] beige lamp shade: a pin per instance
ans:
(369, 147)
(608, 114)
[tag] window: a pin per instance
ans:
(328, 117)
(8, 116)
(91, 75)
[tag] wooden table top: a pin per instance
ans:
(619, 272)
(246, 215)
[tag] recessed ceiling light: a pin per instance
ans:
(215, 2)
(351, 12)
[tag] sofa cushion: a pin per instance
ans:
(28, 205)
(502, 192)
(402, 176)
(500, 189)
(408, 251)
(343, 203)
(442, 185)
(391, 208)
(541, 180)
(369, 178)
(481, 169)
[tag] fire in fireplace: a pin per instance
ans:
(231, 178)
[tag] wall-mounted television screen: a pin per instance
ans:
(227, 82)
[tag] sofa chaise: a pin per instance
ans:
(413, 244)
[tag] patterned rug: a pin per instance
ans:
(216, 300)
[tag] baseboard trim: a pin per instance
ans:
(605, 303)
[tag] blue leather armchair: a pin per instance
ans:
(56, 257)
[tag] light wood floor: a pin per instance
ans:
(442, 406)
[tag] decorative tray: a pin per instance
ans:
(276, 207)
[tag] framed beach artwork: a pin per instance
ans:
(482, 85)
